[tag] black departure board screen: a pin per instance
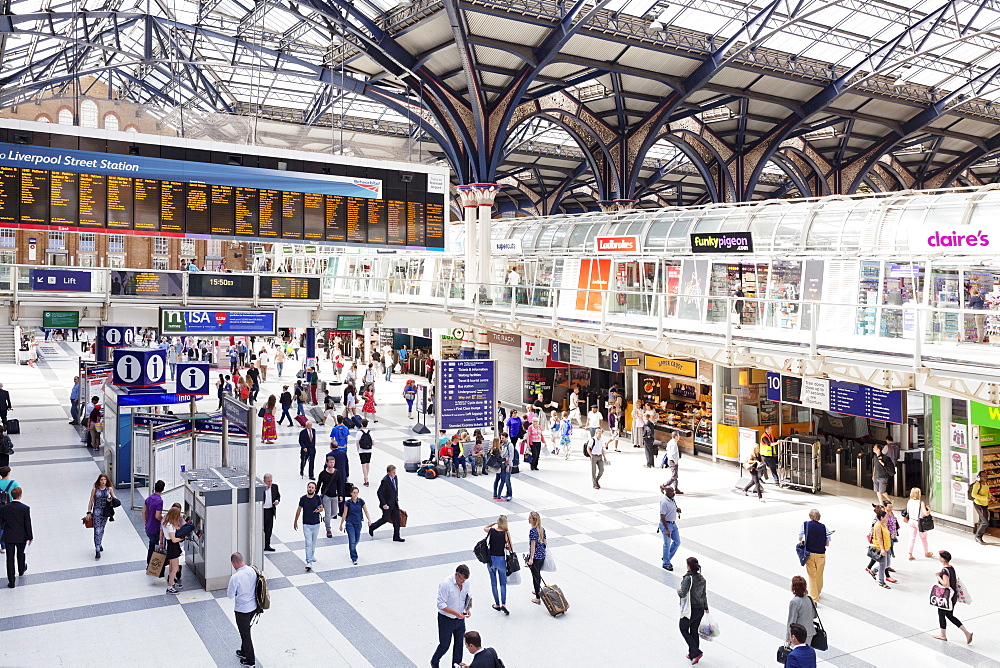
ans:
(291, 215)
(34, 196)
(196, 209)
(200, 192)
(93, 200)
(120, 209)
(201, 284)
(146, 284)
(223, 210)
(288, 287)
(10, 195)
(313, 217)
(147, 205)
(64, 193)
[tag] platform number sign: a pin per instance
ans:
(773, 386)
(118, 337)
(192, 378)
(139, 367)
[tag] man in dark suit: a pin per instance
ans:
(482, 657)
(388, 499)
(307, 449)
(272, 497)
(4, 405)
(15, 518)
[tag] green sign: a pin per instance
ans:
(350, 322)
(61, 319)
(985, 416)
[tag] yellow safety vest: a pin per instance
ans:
(766, 445)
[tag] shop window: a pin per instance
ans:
(57, 240)
(116, 243)
(110, 121)
(88, 114)
(88, 242)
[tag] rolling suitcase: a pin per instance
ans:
(302, 420)
(553, 599)
(13, 426)
(318, 414)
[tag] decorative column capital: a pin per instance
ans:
(478, 194)
(612, 205)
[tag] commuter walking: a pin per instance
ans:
(15, 518)
(498, 541)
(513, 425)
(506, 454)
(99, 508)
(279, 360)
(6, 447)
(286, 404)
(409, 395)
(754, 466)
(388, 498)
(252, 377)
(882, 470)
(649, 440)
(946, 578)
(310, 510)
(152, 516)
(354, 507)
(454, 606)
(536, 438)
(672, 459)
(981, 499)
(307, 450)
(565, 435)
(220, 390)
(269, 426)
(94, 424)
(313, 378)
(330, 482)
(801, 609)
(369, 406)
(242, 591)
(168, 539)
(693, 589)
(482, 657)
(301, 394)
(595, 450)
(365, 445)
(263, 361)
(74, 401)
(594, 419)
(272, 497)
(501, 417)
(668, 526)
(816, 538)
(881, 542)
(802, 655)
(915, 509)
(574, 407)
(536, 554)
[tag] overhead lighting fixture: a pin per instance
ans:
(717, 114)
(656, 26)
(910, 150)
(822, 133)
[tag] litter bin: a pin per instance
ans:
(411, 454)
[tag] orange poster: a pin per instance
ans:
(594, 281)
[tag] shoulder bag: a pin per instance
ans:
(513, 563)
(925, 523)
(819, 640)
(800, 547)
(783, 652)
(940, 597)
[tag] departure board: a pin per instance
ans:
(171, 206)
(146, 284)
(291, 215)
(313, 216)
(199, 192)
(120, 210)
(237, 286)
(396, 216)
(288, 287)
(196, 209)
(336, 218)
(93, 200)
(34, 196)
(223, 210)
(147, 205)
(10, 195)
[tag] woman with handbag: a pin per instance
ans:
(754, 465)
(948, 581)
(801, 609)
(168, 528)
(879, 549)
(694, 605)
(269, 430)
(915, 510)
(99, 509)
(536, 553)
(498, 541)
(368, 409)
(409, 395)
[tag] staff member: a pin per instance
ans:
(769, 452)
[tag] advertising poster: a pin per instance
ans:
(958, 436)
(595, 277)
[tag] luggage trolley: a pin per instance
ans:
(799, 462)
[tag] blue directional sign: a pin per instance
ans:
(192, 378)
(236, 412)
(467, 396)
(139, 367)
(117, 337)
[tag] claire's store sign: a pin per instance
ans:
(621, 244)
(954, 240)
(722, 242)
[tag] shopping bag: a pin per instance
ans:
(963, 593)
(708, 629)
(514, 578)
(156, 563)
(940, 597)
(549, 565)
(686, 607)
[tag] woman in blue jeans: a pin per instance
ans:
(353, 508)
(498, 541)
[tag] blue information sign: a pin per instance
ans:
(214, 426)
(773, 386)
(865, 401)
(467, 398)
(236, 412)
(182, 322)
(171, 430)
(60, 280)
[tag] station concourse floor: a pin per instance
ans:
(71, 610)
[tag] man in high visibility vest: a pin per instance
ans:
(769, 453)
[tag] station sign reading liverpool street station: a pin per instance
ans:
(722, 242)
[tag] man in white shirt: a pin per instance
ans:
(454, 605)
(243, 590)
(671, 460)
(272, 497)
(594, 419)
(596, 448)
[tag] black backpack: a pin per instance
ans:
(365, 440)
(482, 551)
(5, 493)
(185, 531)
(261, 594)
